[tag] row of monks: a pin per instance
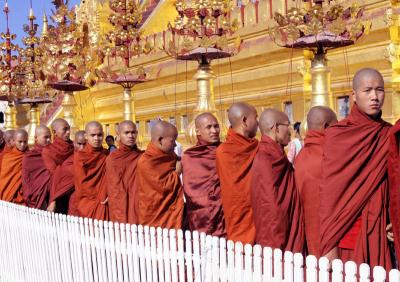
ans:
(334, 201)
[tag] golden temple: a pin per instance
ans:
(261, 74)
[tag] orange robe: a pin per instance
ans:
(90, 184)
(234, 161)
(159, 194)
(11, 177)
(3, 152)
(308, 178)
(120, 178)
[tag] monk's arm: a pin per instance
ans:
(117, 197)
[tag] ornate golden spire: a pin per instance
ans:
(45, 26)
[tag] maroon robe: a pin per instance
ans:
(278, 215)
(354, 189)
(394, 180)
(202, 190)
(36, 179)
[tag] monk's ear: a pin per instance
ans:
(353, 95)
(197, 131)
(160, 139)
(244, 120)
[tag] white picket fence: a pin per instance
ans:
(41, 246)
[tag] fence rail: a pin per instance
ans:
(41, 246)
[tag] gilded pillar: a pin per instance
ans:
(34, 121)
(129, 107)
(321, 94)
(10, 117)
(393, 52)
(68, 103)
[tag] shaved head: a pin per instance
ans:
(9, 138)
(276, 125)
(243, 119)
(369, 91)
(21, 139)
(94, 134)
(79, 141)
(163, 135)
(319, 118)
(42, 135)
(61, 129)
(127, 133)
(207, 128)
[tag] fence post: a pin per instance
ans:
(147, 253)
(215, 259)
(173, 258)
(118, 251)
(167, 266)
(323, 269)
(379, 274)
(160, 252)
(140, 252)
(124, 252)
(196, 256)
(350, 269)
(153, 253)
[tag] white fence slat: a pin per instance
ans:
(239, 262)
(135, 253)
(181, 255)
(223, 260)
(311, 269)
(93, 250)
(231, 260)
(248, 266)
(215, 259)
(288, 266)
(267, 265)
(208, 257)
(203, 256)
(196, 256)
(147, 254)
(257, 275)
(189, 256)
(166, 255)
(394, 275)
(160, 254)
(364, 272)
(278, 275)
(173, 256)
(323, 269)
(153, 253)
(142, 259)
(379, 274)
(118, 252)
(350, 268)
(298, 262)
(337, 270)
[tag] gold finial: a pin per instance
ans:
(45, 26)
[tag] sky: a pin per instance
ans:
(19, 11)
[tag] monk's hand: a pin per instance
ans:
(105, 201)
(178, 168)
(389, 232)
(332, 254)
(52, 206)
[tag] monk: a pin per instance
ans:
(11, 172)
(2, 143)
(56, 153)
(159, 195)
(234, 161)
(36, 179)
(121, 174)
(62, 192)
(308, 172)
(354, 183)
(89, 175)
(201, 184)
(9, 143)
(394, 180)
(278, 215)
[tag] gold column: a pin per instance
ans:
(321, 94)
(10, 117)
(205, 98)
(129, 106)
(393, 50)
(34, 121)
(68, 103)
